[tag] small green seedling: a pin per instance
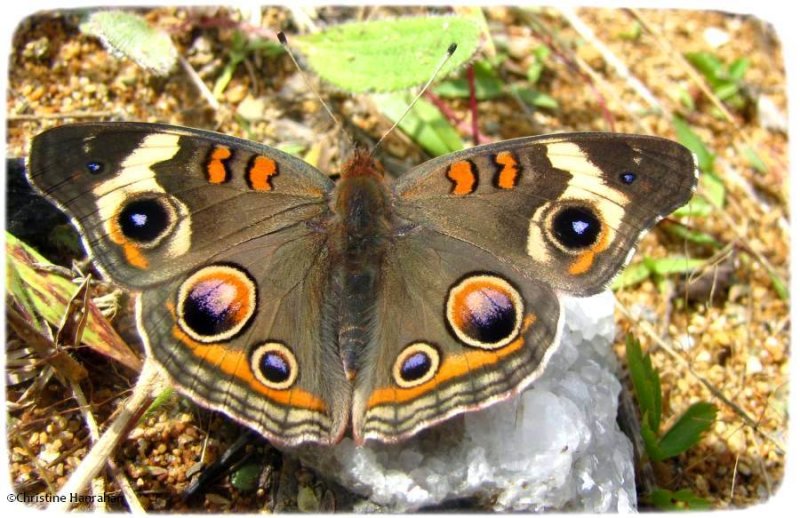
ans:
(682, 435)
(241, 48)
(489, 85)
(726, 81)
(424, 123)
(658, 269)
(711, 185)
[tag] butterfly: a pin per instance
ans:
(307, 308)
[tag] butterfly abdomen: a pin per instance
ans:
(364, 217)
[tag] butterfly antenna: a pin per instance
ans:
(450, 51)
(285, 44)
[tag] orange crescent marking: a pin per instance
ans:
(463, 177)
(235, 363)
(582, 264)
(453, 367)
(260, 173)
(217, 173)
(507, 177)
(585, 260)
(133, 255)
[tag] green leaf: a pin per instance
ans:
(541, 53)
(697, 207)
(130, 35)
(693, 236)
(389, 55)
(160, 400)
(633, 33)
(534, 98)
(726, 90)
(687, 430)
(267, 48)
(737, 69)
(646, 383)
(707, 64)
(293, 148)
(45, 294)
(535, 71)
(779, 286)
(754, 160)
(632, 275)
(487, 84)
(650, 439)
(241, 46)
(686, 99)
(690, 139)
(225, 77)
(673, 265)
(680, 500)
(245, 478)
(424, 123)
(714, 190)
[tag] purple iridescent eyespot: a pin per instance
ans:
(484, 311)
(416, 364)
(274, 365)
(216, 303)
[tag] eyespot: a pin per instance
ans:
(484, 311)
(416, 364)
(274, 365)
(575, 227)
(144, 220)
(216, 303)
(628, 177)
(95, 167)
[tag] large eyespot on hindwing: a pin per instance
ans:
(416, 364)
(215, 303)
(274, 365)
(484, 311)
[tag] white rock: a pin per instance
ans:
(554, 447)
(770, 116)
(716, 37)
(753, 365)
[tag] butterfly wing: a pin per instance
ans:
(565, 209)
(153, 201)
(468, 311)
(251, 333)
(455, 330)
(226, 240)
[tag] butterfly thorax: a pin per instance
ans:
(362, 206)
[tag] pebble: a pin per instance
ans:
(716, 37)
(754, 365)
(236, 93)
